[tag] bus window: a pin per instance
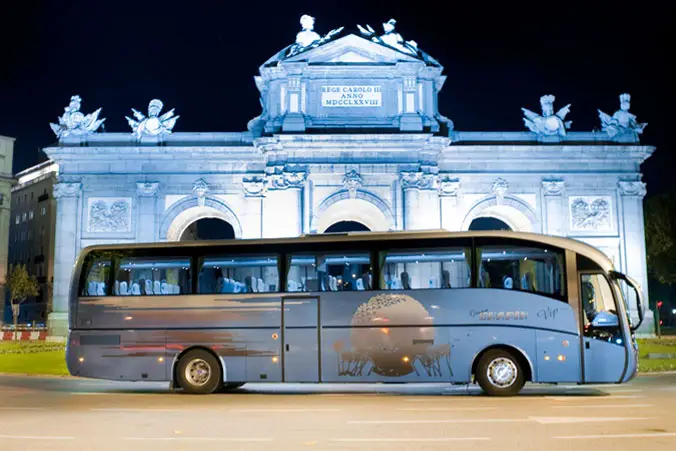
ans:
(524, 268)
(96, 282)
(330, 272)
(598, 305)
(147, 276)
(238, 274)
(425, 269)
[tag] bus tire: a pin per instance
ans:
(499, 373)
(199, 372)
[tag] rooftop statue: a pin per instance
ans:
(549, 124)
(390, 37)
(622, 121)
(73, 122)
(153, 125)
(307, 38)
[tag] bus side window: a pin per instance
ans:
(523, 268)
(148, 276)
(96, 281)
(345, 271)
(421, 269)
(238, 274)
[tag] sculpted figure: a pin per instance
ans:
(307, 38)
(154, 124)
(73, 122)
(390, 37)
(622, 121)
(547, 124)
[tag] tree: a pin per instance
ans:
(20, 286)
(660, 233)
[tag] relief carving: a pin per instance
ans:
(590, 213)
(352, 182)
(419, 180)
(109, 214)
(632, 188)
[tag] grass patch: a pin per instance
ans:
(50, 363)
(656, 346)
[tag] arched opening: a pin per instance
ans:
(185, 214)
(488, 223)
(208, 229)
(512, 215)
(353, 211)
(347, 226)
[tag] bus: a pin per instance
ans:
(497, 308)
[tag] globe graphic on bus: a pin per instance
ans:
(392, 350)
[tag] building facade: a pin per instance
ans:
(349, 131)
(6, 182)
(31, 235)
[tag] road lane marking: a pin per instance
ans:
(22, 408)
(136, 410)
(569, 420)
(198, 439)
(36, 437)
(581, 397)
(541, 420)
(87, 393)
(281, 410)
(633, 390)
(605, 406)
(407, 440)
(600, 436)
(444, 409)
(452, 421)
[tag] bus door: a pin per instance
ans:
(300, 338)
(604, 343)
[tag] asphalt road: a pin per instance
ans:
(80, 414)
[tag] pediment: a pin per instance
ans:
(352, 49)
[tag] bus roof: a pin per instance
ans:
(561, 242)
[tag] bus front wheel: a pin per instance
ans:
(198, 372)
(499, 373)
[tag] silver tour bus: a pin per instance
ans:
(495, 308)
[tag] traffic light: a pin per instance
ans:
(659, 304)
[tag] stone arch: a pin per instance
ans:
(365, 208)
(514, 212)
(186, 211)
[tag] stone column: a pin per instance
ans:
(633, 241)
(66, 246)
(421, 201)
(283, 215)
(448, 193)
(255, 190)
(555, 215)
(146, 226)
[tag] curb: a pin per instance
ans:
(53, 376)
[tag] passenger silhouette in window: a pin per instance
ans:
(405, 283)
(445, 279)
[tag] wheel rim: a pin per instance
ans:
(502, 372)
(198, 372)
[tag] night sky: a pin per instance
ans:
(200, 58)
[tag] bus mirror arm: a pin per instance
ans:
(639, 299)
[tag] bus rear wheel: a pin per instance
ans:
(198, 372)
(499, 373)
